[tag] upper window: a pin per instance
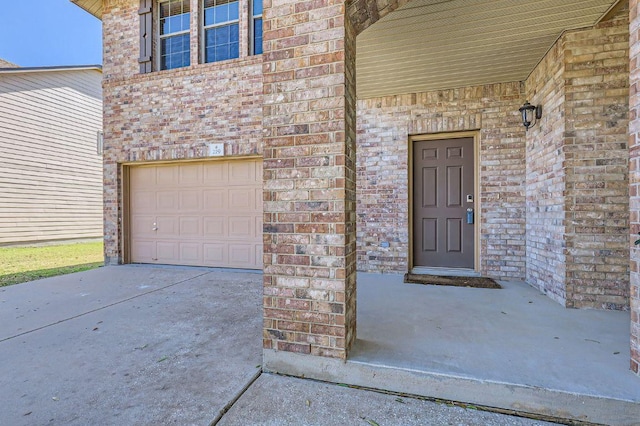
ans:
(256, 27)
(221, 30)
(174, 40)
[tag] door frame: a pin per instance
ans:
(475, 135)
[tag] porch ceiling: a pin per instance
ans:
(440, 44)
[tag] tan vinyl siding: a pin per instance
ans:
(50, 173)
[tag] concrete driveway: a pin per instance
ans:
(128, 345)
(149, 345)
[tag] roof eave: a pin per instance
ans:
(51, 69)
(83, 4)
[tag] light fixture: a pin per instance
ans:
(530, 114)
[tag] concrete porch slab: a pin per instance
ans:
(512, 348)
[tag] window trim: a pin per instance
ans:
(161, 37)
(203, 30)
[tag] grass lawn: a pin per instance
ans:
(22, 264)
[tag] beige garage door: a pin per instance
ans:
(202, 214)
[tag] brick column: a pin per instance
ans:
(309, 178)
(634, 178)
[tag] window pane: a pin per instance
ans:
(222, 43)
(220, 11)
(234, 50)
(257, 36)
(174, 52)
(221, 14)
(257, 7)
(222, 36)
(234, 33)
(233, 11)
(174, 7)
(174, 16)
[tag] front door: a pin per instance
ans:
(443, 203)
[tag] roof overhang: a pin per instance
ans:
(24, 70)
(94, 7)
(430, 45)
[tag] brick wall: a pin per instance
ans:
(309, 171)
(546, 180)
(577, 180)
(384, 126)
(596, 162)
(634, 178)
(169, 115)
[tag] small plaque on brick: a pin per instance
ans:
(216, 149)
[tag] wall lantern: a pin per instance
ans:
(530, 114)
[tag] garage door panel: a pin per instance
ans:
(143, 201)
(190, 175)
(241, 227)
(257, 230)
(191, 253)
(190, 226)
(206, 213)
(166, 177)
(143, 176)
(215, 254)
(215, 227)
(190, 200)
(167, 251)
(241, 255)
(143, 251)
(168, 201)
(241, 199)
(143, 226)
(258, 198)
(216, 171)
(216, 199)
(167, 226)
(242, 173)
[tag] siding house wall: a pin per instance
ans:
(50, 172)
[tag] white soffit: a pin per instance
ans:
(440, 44)
(94, 7)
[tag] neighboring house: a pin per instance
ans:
(7, 64)
(50, 170)
(424, 164)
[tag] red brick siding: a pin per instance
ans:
(384, 126)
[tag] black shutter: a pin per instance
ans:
(146, 36)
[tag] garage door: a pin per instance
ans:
(201, 214)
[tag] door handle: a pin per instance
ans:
(469, 216)
(155, 227)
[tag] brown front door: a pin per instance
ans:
(443, 202)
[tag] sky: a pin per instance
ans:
(38, 33)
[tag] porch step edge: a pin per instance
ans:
(522, 398)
